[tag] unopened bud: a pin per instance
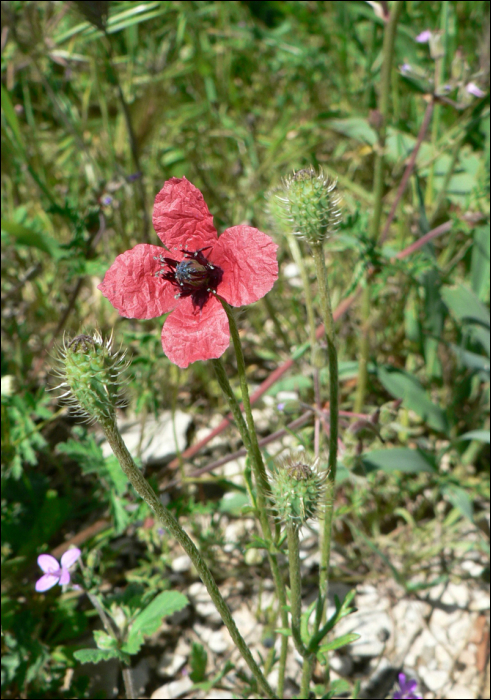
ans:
(91, 371)
(309, 205)
(297, 488)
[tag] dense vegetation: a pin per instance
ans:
(97, 113)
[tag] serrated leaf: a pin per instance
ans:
(133, 644)
(198, 660)
(104, 640)
(166, 603)
(94, 656)
(399, 459)
(402, 385)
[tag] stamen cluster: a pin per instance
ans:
(194, 276)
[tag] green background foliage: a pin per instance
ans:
(234, 96)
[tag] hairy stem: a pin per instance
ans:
(327, 317)
(167, 520)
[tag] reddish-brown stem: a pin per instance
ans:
(409, 168)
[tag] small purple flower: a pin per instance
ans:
(407, 689)
(405, 68)
(106, 200)
(281, 406)
(424, 37)
(53, 572)
(472, 89)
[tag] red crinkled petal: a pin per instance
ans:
(133, 289)
(248, 260)
(191, 334)
(181, 218)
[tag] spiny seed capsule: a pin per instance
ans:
(297, 488)
(90, 370)
(309, 205)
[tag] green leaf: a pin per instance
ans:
(338, 687)
(464, 305)
(399, 459)
(104, 640)
(94, 656)
(460, 499)
(234, 503)
(482, 435)
(11, 117)
(355, 128)
(198, 661)
(402, 385)
(339, 642)
(166, 603)
(295, 383)
(471, 360)
(26, 236)
(480, 269)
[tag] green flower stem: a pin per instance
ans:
(233, 403)
(296, 606)
(261, 480)
(378, 191)
(326, 310)
(300, 262)
(167, 520)
(262, 484)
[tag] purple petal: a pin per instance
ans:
(48, 564)
(402, 680)
(424, 37)
(70, 557)
(473, 89)
(45, 582)
(64, 577)
(405, 68)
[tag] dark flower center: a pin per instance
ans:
(194, 276)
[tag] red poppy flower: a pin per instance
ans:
(196, 265)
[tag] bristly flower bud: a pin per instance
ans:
(91, 370)
(297, 488)
(310, 205)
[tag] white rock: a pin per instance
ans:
(159, 436)
(217, 642)
(480, 601)
(460, 692)
(434, 680)
(170, 664)
(292, 274)
(473, 568)
(176, 689)
(342, 664)
(219, 695)
(202, 602)
(456, 594)
(181, 564)
(375, 627)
